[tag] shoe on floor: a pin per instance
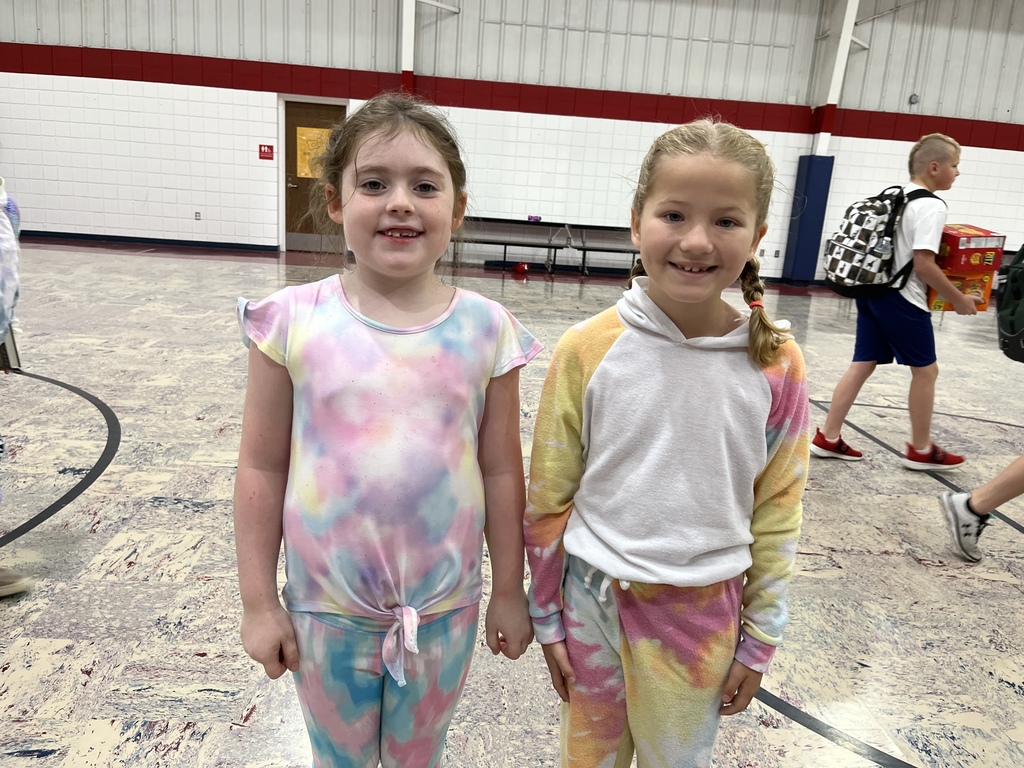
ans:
(824, 449)
(965, 526)
(934, 459)
(12, 582)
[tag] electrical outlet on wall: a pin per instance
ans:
(198, 216)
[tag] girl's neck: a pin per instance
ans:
(397, 303)
(714, 318)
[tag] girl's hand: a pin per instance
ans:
(507, 625)
(740, 687)
(562, 677)
(268, 637)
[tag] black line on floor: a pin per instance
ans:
(109, 450)
(938, 476)
(832, 734)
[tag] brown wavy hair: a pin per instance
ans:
(726, 142)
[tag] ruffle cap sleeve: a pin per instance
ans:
(516, 346)
(266, 323)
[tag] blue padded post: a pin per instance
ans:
(807, 221)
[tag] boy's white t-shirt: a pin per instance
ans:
(920, 228)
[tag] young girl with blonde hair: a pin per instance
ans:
(668, 466)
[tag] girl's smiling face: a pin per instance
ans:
(697, 229)
(397, 206)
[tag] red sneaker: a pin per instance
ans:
(826, 449)
(934, 459)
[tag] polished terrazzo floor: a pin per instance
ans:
(127, 654)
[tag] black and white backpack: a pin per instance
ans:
(859, 257)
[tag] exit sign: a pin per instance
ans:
(266, 151)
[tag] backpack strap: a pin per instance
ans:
(917, 194)
(899, 280)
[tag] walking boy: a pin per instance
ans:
(898, 324)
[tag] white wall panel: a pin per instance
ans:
(355, 34)
(963, 58)
(133, 159)
(703, 49)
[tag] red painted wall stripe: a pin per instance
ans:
(302, 80)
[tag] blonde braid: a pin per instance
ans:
(637, 271)
(765, 336)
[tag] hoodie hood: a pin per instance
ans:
(639, 313)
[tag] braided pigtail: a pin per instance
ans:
(637, 271)
(765, 336)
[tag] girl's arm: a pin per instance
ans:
(556, 467)
(500, 455)
(263, 459)
(775, 526)
(778, 509)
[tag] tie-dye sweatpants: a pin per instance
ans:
(650, 662)
(355, 711)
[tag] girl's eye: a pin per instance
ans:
(674, 217)
(425, 187)
(727, 223)
(372, 185)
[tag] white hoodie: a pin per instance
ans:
(668, 498)
(667, 460)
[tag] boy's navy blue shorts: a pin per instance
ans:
(890, 327)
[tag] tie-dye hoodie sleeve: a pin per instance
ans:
(778, 508)
(557, 462)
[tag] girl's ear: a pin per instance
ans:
(334, 204)
(634, 228)
(459, 213)
(757, 238)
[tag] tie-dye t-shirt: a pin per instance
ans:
(384, 506)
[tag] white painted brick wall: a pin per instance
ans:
(110, 157)
(113, 157)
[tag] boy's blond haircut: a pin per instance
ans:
(933, 148)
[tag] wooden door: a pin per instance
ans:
(306, 127)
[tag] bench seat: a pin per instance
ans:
(551, 237)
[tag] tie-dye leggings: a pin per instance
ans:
(355, 712)
(650, 663)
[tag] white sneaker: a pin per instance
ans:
(12, 582)
(965, 526)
